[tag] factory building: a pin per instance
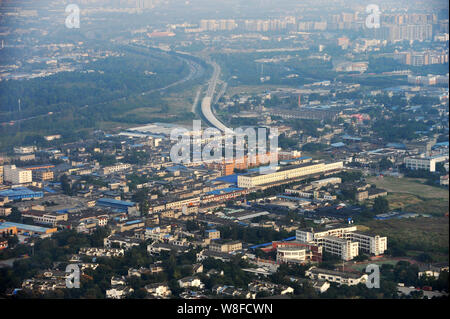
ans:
(287, 173)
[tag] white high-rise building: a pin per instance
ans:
(14, 175)
(344, 242)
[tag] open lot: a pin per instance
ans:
(412, 195)
(415, 235)
(413, 186)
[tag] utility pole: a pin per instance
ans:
(19, 115)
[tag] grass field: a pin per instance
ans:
(430, 235)
(413, 186)
(362, 266)
(411, 194)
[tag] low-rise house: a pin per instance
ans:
(432, 270)
(343, 278)
(320, 286)
(158, 290)
(101, 252)
(157, 248)
(197, 268)
(3, 244)
(229, 291)
(191, 282)
(118, 292)
(118, 281)
(265, 286)
(189, 294)
(206, 253)
(121, 242)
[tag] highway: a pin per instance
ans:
(207, 101)
(197, 98)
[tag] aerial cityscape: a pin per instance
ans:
(224, 149)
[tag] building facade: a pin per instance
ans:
(286, 173)
(344, 242)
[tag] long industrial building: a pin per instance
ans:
(344, 242)
(287, 173)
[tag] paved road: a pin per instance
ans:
(197, 98)
(207, 101)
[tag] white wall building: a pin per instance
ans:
(425, 162)
(291, 254)
(339, 277)
(15, 175)
(344, 242)
(286, 173)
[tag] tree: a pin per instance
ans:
(385, 164)
(361, 257)
(65, 185)
(13, 241)
(15, 216)
(380, 205)
(425, 257)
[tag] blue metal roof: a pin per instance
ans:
(338, 144)
(20, 192)
(224, 191)
(24, 226)
(133, 222)
(294, 198)
(114, 202)
(49, 190)
(441, 144)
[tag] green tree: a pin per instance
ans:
(381, 205)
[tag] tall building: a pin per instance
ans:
(15, 175)
(408, 32)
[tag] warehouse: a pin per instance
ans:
(115, 204)
(21, 193)
(28, 230)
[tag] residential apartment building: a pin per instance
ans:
(14, 175)
(115, 168)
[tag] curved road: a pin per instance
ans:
(207, 101)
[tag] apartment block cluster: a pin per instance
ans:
(345, 242)
(394, 27)
(422, 58)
